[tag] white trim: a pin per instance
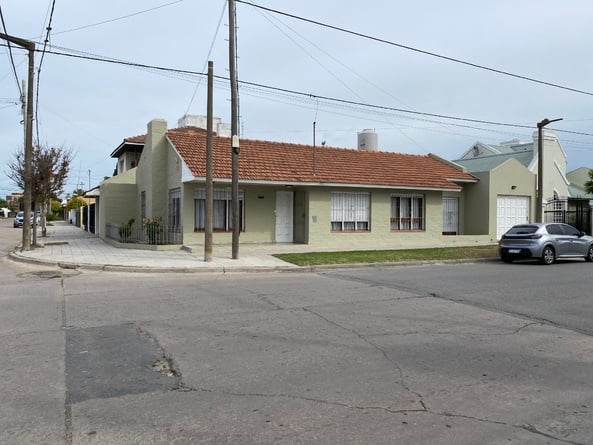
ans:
(566, 181)
(327, 184)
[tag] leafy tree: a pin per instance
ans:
(56, 206)
(589, 183)
(49, 170)
(75, 202)
(3, 203)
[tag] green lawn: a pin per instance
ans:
(389, 256)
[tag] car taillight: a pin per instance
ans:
(535, 236)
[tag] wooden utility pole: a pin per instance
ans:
(209, 205)
(234, 131)
(30, 46)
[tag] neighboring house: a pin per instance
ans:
(577, 179)
(14, 200)
(507, 191)
(322, 196)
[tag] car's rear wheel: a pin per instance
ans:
(589, 256)
(548, 256)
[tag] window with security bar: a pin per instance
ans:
(407, 212)
(350, 212)
(222, 218)
(175, 209)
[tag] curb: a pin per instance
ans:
(13, 255)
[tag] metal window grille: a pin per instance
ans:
(350, 211)
(222, 210)
(407, 212)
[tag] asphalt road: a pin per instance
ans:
(484, 353)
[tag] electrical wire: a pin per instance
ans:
(207, 57)
(16, 76)
(301, 94)
(421, 51)
(45, 42)
(118, 18)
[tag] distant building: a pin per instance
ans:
(14, 200)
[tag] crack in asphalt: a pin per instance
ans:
(422, 293)
(67, 404)
(166, 364)
(522, 315)
(375, 346)
(424, 410)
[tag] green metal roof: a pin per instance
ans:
(487, 163)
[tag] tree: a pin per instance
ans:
(75, 203)
(50, 168)
(589, 183)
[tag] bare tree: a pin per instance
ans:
(50, 168)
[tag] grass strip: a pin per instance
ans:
(389, 256)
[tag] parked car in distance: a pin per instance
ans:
(545, 242)
(18, 219)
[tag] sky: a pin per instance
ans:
(345, 65)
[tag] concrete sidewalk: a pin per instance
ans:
(69, 246)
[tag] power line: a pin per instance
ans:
(118, 18)
(46, 40)
(300, 93)
(16, 76)
(421, 51)
(208, 56)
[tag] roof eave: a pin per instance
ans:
(120, 148)
(327, 184)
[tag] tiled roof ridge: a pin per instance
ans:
(201, 131)
(264, 142)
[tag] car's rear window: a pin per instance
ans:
(522, 230)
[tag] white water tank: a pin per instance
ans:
(368, 140)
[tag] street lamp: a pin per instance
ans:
(540, 168)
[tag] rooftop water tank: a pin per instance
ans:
(368, 140)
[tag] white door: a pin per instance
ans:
(284, 217)
(510, 210)
(450, 216)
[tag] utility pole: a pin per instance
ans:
(234, 131)
(30, 46)
(539, 211)
(209, 205)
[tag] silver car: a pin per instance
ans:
(545, 242)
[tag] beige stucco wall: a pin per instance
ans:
(509, 179)
(153, 170)
(260, 203)
(118, 200)
(380, 236)
(554, 168)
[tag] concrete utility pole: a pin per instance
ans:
(234, 131)
(209, 205)
(539, 214)
(30, 46)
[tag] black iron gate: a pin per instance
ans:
(577, 215)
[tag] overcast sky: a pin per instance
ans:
(91, 106)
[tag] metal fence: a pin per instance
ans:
(156, 234)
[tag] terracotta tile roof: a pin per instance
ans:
(294, 163)
(129, 144)
(136, 139)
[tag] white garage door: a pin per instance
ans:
(511, 210)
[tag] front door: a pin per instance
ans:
(284, 216)
(450, 216)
